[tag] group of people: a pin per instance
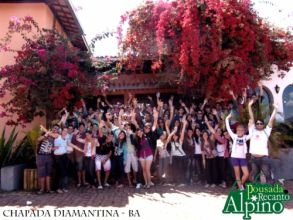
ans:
(139, 144)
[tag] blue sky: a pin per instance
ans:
(97, 16)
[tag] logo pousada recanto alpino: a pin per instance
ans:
(257, 198)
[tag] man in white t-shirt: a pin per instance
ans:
(259, 144)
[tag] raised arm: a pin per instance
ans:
(184, 121)
(106, 101)
(133, 120)
(171, 106)
(185, 107)
(156, 115)
(231, 133)
(167, 125)
(119, 118)
(251, 117)
(170, 135)
(215, 113)
(48, 132)
(204, 103)
(232, 94)
(273, 116)
(211, 129)
(63, 118)
(95, 145)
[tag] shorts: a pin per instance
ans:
(131, 162)
(238, 162)
(98, 161)
(150, 158)
(79, 163)
(44, 165)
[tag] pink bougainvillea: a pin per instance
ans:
(47, 70)
(213, 45)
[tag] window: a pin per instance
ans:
(288, 103)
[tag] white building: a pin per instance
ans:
(280, 91)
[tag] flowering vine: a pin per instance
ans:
(213, 45)
(48, 73)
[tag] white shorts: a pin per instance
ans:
(98, 161)
(147, 158)
(131, 162)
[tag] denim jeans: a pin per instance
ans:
(89, 165)
(61, 163)
(163, 166)
(261, 164)
(199, 167)
(117, 168)
(190, 168)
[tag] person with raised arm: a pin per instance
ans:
(145, 155)
(222, 159)
(61, 146)
(259, 143)
(131, 160)
(239, 150)
(164, 156)
(89, 149)
(178, 156)
(209, 159)
(44, 158)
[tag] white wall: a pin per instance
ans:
(281, 82)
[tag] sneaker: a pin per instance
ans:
(138, 186)
(282, 181)
(50, 191)
(100, 187)
(223, 185)
(206, 185)
(120, 186)
(65, 190)
(181, 185)
(78, 185)
(59, 191)
(151, 183)
(213, 185)
(107, 185)
(241, 187)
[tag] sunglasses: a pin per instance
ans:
(259, 123)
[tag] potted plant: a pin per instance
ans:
(11, 174)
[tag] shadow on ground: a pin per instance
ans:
(114, 197)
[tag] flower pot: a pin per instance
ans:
(12, 177)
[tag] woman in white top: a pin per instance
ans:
(164, 156)
(238, 154)
(62, 146)
(178, 156)
(198, 156)
(90, 144)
